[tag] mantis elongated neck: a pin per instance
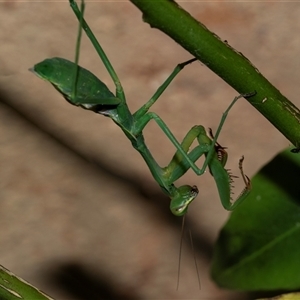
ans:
(156, 171)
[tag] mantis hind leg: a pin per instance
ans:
(144, 109)
(218, 131)
(82, 7)
(79, 14)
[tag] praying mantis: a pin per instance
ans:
(81, 88)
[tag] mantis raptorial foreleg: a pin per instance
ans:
(222, 176)
(80, 87)
(216, 163)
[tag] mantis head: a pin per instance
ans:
(181, 200)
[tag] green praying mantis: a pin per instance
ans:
(81, 88)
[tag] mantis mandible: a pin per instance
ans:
(81, 88)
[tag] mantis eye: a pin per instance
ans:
(184, 196)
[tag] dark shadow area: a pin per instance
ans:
(262, 295)
(83, 284)
(154, 198)
(285, 174)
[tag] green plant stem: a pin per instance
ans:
(226, 62)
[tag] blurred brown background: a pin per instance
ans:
(81, 216)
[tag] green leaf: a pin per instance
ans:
(13, 287)
(259, 247)
(292, 296)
